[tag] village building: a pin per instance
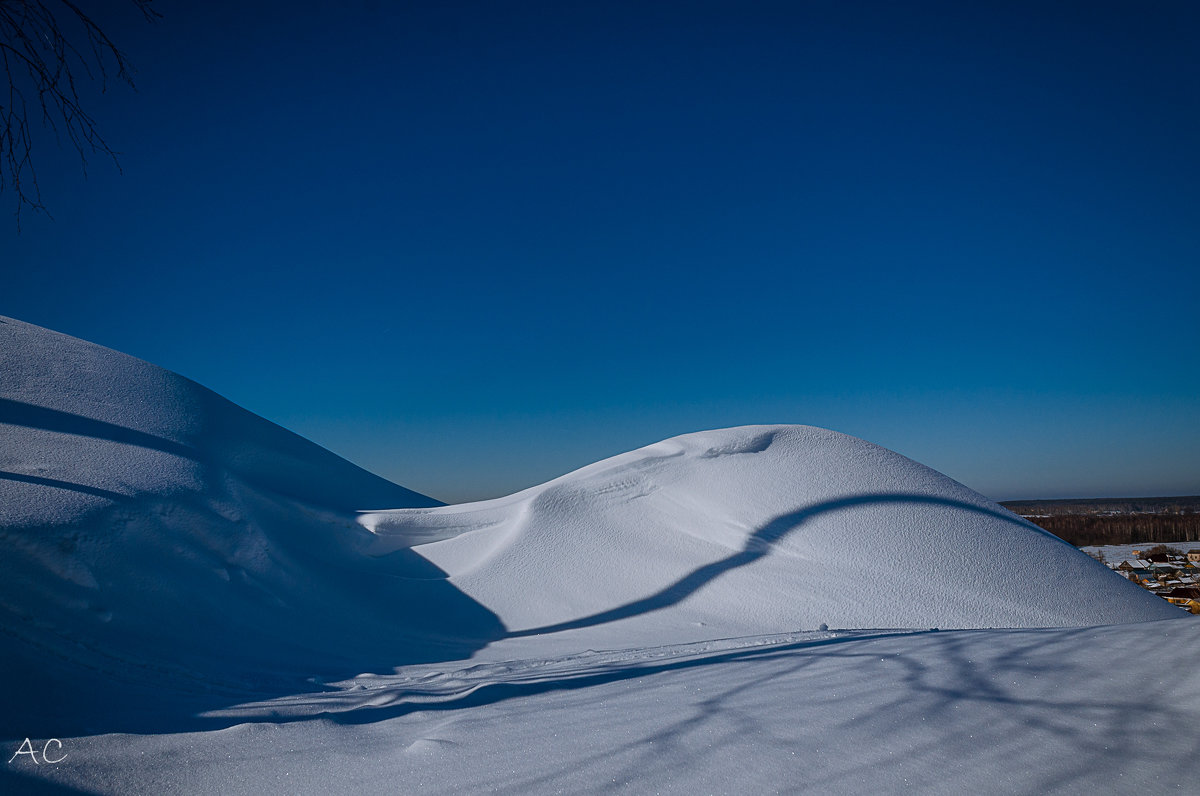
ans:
(1186, 597)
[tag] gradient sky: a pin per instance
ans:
(473, 246)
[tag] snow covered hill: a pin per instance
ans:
(157, 538)
(755, 530)
(177, 567)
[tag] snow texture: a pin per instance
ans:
(755, 529)
(193, 599)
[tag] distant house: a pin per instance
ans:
(1186, 597)
(1194, 556)
(1134, 563)
(1141, 576)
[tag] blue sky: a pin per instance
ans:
(473, 246)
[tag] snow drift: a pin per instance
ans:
(156, 534)
(755, 530)
(159, 538)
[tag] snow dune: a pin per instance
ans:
(159, 538)
(754, 530)
(178, 567)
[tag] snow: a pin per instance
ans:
(195, 600)
(1014, 711)
(755, 529)
(1116, 553)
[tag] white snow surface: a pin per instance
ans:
(1075, 711)
(194, 600)
(758, 528)
(1116, 553)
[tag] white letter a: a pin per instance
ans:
(22, 751)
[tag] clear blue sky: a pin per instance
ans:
(474, 245)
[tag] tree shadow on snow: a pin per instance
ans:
(902, 711)
(244, 584)
(1038, 705)
(757, 546)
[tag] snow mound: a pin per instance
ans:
(755, 530)
(156, 535)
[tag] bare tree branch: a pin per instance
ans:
(45, 47)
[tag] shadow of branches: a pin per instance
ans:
(758, 545)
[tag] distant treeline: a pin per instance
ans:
(1097, 521)
(1105, 506)
(1081, 530)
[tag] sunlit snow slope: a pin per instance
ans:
(155, 533)
(758, 529)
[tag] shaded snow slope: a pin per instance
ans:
(153, 532)
(755, 530)
(101, 426)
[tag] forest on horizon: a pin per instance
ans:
(1114, 521)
